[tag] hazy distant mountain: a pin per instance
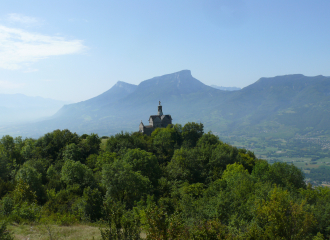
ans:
(17, 108)
(280, 105)
(226, 88)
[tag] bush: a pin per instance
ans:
(31, 177)
(122, 225)
(25, 212)
(6, 206)
(4, 234)
(66, 219)
(89, 206)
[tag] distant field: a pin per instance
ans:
(103, 143)
(304, 153)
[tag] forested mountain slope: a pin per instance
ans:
(281, 105)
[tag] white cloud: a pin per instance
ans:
(31, 70)
(10, 85)
(19, 47)
(15, 17)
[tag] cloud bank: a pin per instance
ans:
(19, 47)
(14, 17)
(10, 85)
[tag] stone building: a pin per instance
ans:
(156, 121)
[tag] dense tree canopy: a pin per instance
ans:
(178, 183)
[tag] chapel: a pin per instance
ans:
(156, 121)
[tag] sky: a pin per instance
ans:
(75, 50)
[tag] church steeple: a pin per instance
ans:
(160, 109)
(156, 121)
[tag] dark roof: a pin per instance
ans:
(161, 117)
(148, 126)
(166, 116)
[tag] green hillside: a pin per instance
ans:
(178, 183)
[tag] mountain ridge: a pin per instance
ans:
(270, 104)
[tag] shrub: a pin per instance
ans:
(122, 225)
(6, 206)
(4, 234)
(66, 219)
(25, 212)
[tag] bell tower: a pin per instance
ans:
(160, 109)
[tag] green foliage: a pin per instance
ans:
(185, 166)
(208, 139)
(73, 152)
(211, 229)
(84, 136)
(25, 212)
(222, 155)
(4, 233)
(93, 144)
(54, 178)
(105, 158)
(165, 141)
(119, 141)
(5, 187)
(29, 150)
(91, 161)
(281, 217)
(90, 206)
(23, 192)
(282, 174)
(77, 173)
(144, 162)
(4, 164)
(40, 165)
(32, 178)
(155, 221)
(124, 184)
(6, 206)
(53, 143)
(191, 132)
(12, 147)
(66, 219)
(121, 224)
(233, 170)
(177, 183)
(319, 198)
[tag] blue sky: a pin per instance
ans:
(75, 50)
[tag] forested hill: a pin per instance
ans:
(178, 183)
(280, 105)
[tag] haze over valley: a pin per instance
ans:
(19, 108)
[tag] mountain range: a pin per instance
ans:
(281, 106)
